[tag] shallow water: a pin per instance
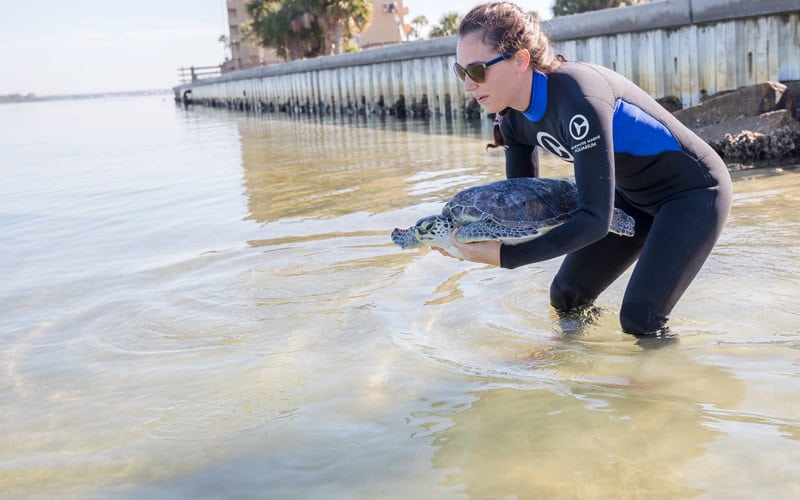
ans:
(203, 303)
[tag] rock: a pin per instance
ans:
(747, 146)
(761, 123)
(752, 124)
(793, 93)
(670, 102)
(746, 101)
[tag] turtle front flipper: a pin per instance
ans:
(490, 229)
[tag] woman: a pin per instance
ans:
(627, 151)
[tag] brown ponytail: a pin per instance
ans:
(496, 134)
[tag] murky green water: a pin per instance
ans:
(204, 304)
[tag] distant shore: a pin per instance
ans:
(13, 98)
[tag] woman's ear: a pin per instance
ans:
(522, 59)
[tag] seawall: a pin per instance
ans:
(684, 48)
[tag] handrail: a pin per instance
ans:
(194, 73)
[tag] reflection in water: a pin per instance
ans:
(297, 169)
(198, 303)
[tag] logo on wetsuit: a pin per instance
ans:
(578, 130)
(551, 144)
(578, 127)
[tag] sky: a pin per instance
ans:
(93, 46)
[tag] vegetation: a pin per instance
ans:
(448, 25)
(226, 45)
(567, 7)
(298, 29)
(308, 28)
(416, 25)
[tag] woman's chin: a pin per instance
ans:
(489, 106)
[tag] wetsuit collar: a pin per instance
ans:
(538, 104)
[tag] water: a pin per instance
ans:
(205, 304)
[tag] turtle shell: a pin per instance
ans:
(532, 201)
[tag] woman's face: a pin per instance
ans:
(500, 89)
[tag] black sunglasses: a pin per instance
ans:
(477, 71)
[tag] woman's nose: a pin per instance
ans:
(469, 84)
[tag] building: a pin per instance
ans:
(245, 53)
(386, 27)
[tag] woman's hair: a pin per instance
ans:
(505, 27)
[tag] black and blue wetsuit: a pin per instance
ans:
(629, 152)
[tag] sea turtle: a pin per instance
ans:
(512, 211)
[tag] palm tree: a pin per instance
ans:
(417, 24)
(567, 7)
(226, 44)
(308, 28)
(448, 25)
(342, 20)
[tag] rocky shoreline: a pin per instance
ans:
(750, 127)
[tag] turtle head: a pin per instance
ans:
(434, 231)
(431, 231)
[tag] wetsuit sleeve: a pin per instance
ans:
(522, 160)
(586, 125)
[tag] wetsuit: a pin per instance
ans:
(627, 151)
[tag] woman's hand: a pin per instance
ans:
(483, 252)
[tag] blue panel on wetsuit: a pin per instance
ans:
(638, 133)
(538, 104)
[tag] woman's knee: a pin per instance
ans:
(565, 296)
(640, 318)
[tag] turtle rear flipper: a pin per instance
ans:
(622, 223)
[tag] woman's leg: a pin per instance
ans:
(683, 233)
(584, 274)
